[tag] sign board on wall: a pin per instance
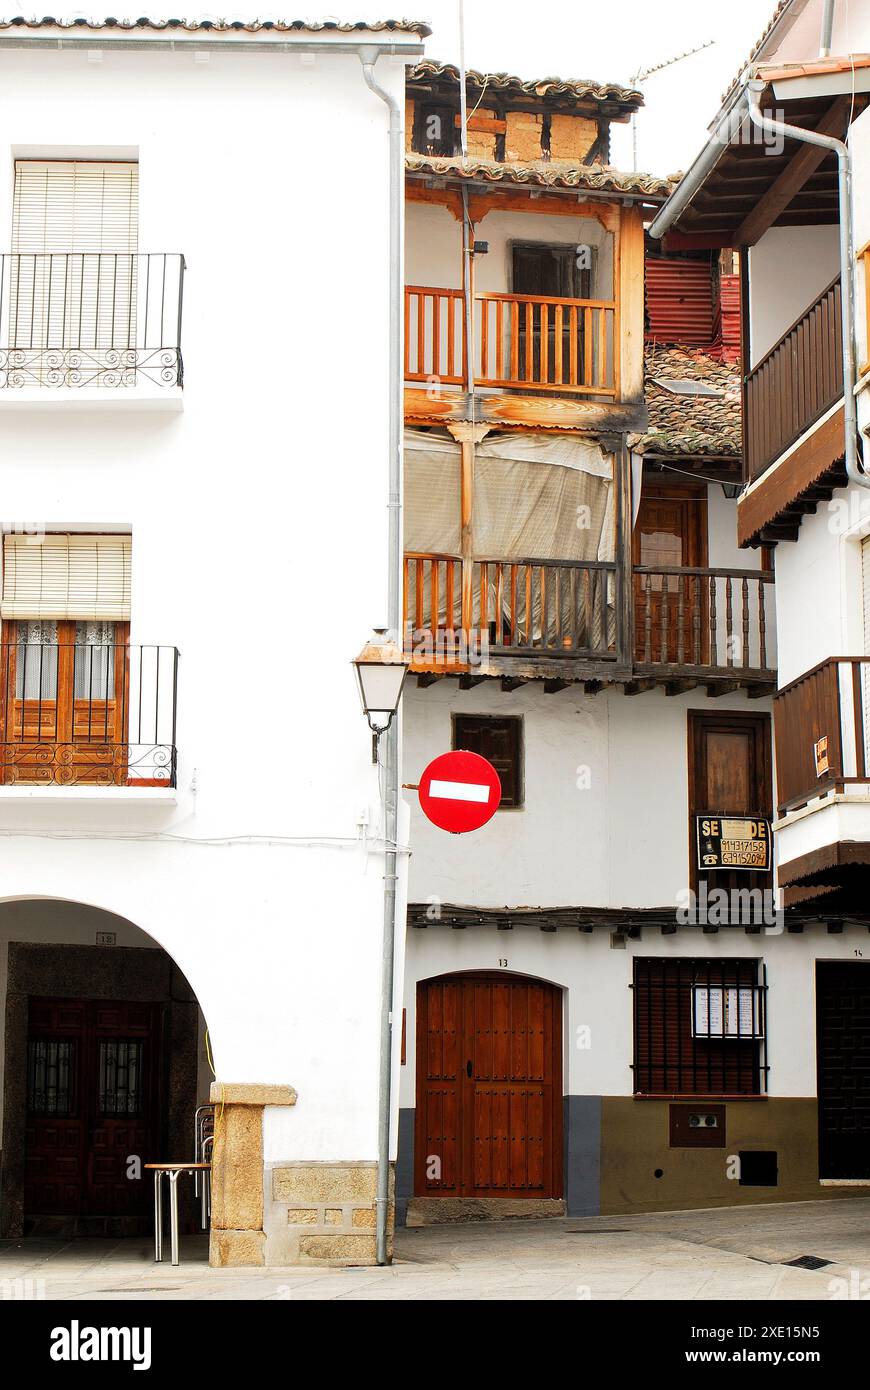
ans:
(733, 842)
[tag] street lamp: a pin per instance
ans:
(380, 668)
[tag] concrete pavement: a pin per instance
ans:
(733, 1253)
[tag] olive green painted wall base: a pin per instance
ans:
(635, 1143)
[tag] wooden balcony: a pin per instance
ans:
(565, 352)
(822, 732)
(559, 620)
(794, 384)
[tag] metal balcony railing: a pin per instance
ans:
(101, 714)
(73, 319)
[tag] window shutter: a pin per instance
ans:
(83, 577)
(63, 206)
(74, 236)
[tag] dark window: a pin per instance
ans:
(49, 1077)
(500, 742)
(699, 1027)
(120, 1076)
(434, 130)
(540, 269)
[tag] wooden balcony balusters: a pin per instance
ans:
(536, 342)
(795, 383)
(698, 620)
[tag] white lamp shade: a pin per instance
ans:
(380, 671)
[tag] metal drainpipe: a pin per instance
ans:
(754, 89)
(827, 29)
(390, 739)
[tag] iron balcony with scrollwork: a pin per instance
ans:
(90, 319)
(100, 714)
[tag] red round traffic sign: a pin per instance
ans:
(460, 791)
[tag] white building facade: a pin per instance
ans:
(192, 851)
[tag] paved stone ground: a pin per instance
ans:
(735, 1253)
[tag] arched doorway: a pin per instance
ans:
(102, 1070)
(489, 1087)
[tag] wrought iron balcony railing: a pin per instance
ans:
(72, 319)
(100, 714)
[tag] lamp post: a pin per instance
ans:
(380, 668)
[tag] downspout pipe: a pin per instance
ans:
(827, 29)
(754, 89)
(390, 739)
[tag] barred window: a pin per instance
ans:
(699, 1027)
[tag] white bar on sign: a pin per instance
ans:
(459, 791)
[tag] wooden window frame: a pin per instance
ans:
(736, 719)
(517, 723)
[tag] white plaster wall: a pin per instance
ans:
(819, 585)
(620, 842)
(596, 979)
(433, 253)
(799, 38)
(259, 549)
(788, 268)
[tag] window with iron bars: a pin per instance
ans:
(700, 1027)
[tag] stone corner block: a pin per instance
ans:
(250, 1093)
(228, 1248)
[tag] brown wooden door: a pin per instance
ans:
(93, 1097)
(729, 774)
(489, 1087)
(670, 532)
(64, 702)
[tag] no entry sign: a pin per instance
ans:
(460, 791)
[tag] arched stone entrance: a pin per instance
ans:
(104, 1064)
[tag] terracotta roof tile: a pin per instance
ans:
(541, 173)
(224, 26)
(578, 88)
(691, 425)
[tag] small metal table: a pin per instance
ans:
(173, 1171)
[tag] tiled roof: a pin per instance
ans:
(578, 88)
(780, 10)
(691, 425)
(816, 67)
(224, 26)
(541, 173)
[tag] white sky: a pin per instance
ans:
(566, 38)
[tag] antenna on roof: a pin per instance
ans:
(643, 73)
(463, 99)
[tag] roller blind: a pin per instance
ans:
(66, 577)
(66, 205)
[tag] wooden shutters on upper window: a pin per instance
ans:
(499, 741)
(730, 775)
(73, 272)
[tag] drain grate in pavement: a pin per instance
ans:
(807, 1262)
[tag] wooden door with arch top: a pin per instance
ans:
(489, 1087)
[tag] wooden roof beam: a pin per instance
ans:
(793, 177)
